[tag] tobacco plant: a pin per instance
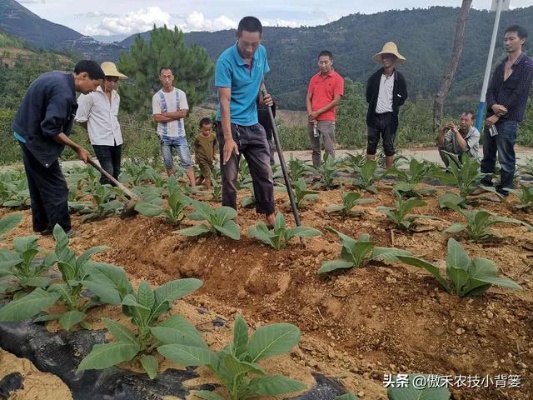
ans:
(14, 191)
(77, 273)
(478, 223)
(358, 253)
(366, 176)
(464, 276)
(237, 365)
(220, 220)
(400, 215)
(174, 211)
(301, 194)
(326, 171)
(145, 306)
(349, 201)
(279, 237)
(525, 195)
(298, 168)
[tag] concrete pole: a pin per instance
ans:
(482, 99)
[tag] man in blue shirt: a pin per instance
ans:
(507, 96)
(239, 74)
(42, 126)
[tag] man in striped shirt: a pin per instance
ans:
(506, 103)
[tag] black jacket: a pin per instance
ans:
(399, 94)
(47, 109)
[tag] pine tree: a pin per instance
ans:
(166, 48)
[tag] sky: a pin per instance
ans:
(126, 17)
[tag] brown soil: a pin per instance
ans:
(357, 326)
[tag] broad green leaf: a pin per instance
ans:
(417, 262)
(486, 271)
(195, 230)
(177, 289)
(456, 257)
(188, 356)
(207, 395)
(22, 244)
(106, 292)
(279, 222)
(261, 232)
(35, 281)
(145, 295)
(456, 228)
(234, 367)
(301, 231)
(112, 275)
(27, 306)
(109, 354)
(150, 365)
(119, 331)
(240, 337)
(129, 300)
(9, 222)
(149, 209)
(224, 214)
(177, 330)
(71, 318)
(274, 385)
(229, 229)
(272, 340)
(388, 253)
(89, 253)
(332, 265)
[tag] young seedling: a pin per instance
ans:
(326, 171)
(400, 215)
(366, 176)
(174, 211)
(77, 273)
(349, 201)
(465, 276)
(478, 223)
(301, 194)
(279, 236)
(237, 365)
(525, 195)
(298, 168)
(219, 220)
(358, 253)
(145, 306)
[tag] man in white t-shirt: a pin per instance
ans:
(170, 108)
(98, 114)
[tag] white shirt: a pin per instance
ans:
(101, 116)
(386, 87)
(175, 128)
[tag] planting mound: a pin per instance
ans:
(359, 326)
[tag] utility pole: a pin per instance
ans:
(497, 5)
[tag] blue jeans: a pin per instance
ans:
(503, 144)
(109, 159)
(253, 145)
(182, 148)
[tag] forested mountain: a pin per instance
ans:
(424, 36)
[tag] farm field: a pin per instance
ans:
(358, 326)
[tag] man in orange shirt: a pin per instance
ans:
(323, 96)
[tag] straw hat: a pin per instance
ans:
(110, 69)
(389, 48)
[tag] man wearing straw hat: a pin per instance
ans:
(98, 114)
(386, 91)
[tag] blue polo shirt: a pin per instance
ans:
(232, 72)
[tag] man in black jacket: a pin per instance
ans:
(386, 91)
(42, 126)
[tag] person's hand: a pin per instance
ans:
(229, 148)
(491, 120)
(83, 154)
(312, 117)
(268, 100)
(499, 110)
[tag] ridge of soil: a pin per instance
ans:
(357, 326)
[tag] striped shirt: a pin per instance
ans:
(513, 92)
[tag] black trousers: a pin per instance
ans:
(48, 193)
(109, 158)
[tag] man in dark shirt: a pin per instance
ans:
(507, 96)
(42, 126)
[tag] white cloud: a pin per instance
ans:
(135, 21)
(196, 21)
